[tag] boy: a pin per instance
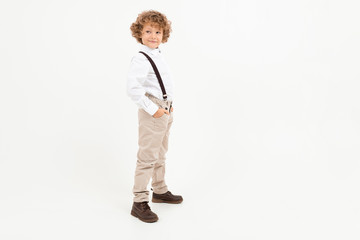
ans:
(153, 94)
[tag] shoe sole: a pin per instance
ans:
(142, 219)
(156, 200)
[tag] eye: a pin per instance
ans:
(148, 31)
(158, 32)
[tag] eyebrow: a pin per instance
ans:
(146, 29)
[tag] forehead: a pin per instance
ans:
(151, 25)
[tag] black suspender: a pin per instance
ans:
(157, 75)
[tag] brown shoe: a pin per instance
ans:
(142, 211)
(167, 197)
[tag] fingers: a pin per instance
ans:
(160, 113)
(165, 112)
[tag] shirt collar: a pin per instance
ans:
(153, 51)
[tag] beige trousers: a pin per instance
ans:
(153, 145)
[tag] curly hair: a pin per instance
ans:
(155, 18)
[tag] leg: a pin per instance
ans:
(150, 139)
(158, 177)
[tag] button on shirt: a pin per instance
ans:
(142, 79)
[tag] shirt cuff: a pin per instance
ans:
(151, 109)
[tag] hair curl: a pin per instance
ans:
(154, 18)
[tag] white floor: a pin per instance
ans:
(260, 203)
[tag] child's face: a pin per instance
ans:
(151, 35)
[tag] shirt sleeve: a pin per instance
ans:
(137, 75)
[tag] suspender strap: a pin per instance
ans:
(157, 75)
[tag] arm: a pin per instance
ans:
(139, 69)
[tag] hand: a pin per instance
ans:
(172, 109)
(160, 112)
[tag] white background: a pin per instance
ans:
(265, 142)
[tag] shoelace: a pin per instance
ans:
(145, 206)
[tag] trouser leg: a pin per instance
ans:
(151, 136)
(158, 178)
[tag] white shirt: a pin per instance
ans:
(142, 79)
